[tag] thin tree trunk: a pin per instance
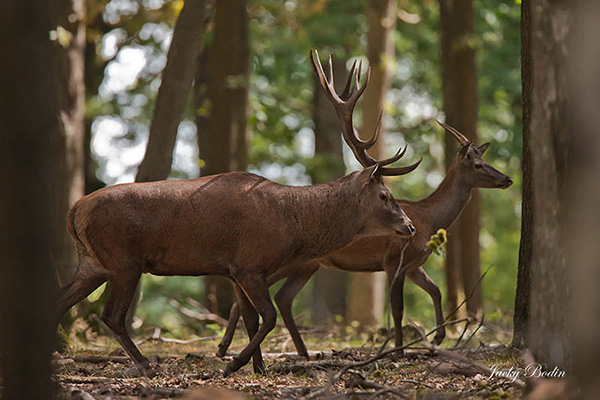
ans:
(329, 290)
(459, 76)
(222, 115)
(367, 291)
(549, 137)
(521, 315)
(173, 93)
(31, 132)
(582, 224)
(69, 15)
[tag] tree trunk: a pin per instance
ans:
(459, 76)
(549, 135)
(521, 315)
(222, 117)
(582, 224)
(367, 291)
(329, 290)
(69, 15)
(173, 93)
(31, 132)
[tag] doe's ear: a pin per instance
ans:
(463, 150)
(366, 175)
(481, 149)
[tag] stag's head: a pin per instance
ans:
(383, 214)
(476, 171)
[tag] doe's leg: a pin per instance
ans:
(420, 277)
(234, 317)
(250, 317)
(256, 288)
(285, 298)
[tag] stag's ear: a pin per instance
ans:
(481, 149)
(367, 175)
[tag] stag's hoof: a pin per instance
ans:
(222, 352)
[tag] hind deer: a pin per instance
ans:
(385, 253)
(238, 225)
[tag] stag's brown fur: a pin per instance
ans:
(237, 225)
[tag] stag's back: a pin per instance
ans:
(190, 227)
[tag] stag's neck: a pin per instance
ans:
(328, 216)
(446, 203)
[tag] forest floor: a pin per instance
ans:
(98, 369)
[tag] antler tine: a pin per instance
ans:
(395, 171)
(347, 92)
(369, 143)
(330, 62)
(325, 84)
(462, 139)
(399, 154)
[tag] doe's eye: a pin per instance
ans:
(478, 166)
(383, 196)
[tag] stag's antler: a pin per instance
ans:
(344, 106)
(462, 139)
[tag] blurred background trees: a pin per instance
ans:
(291, 137)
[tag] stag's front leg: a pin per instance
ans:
(420, 277)
(256, 291)
(396, 282)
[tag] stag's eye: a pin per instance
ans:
(383, 196)
(478, 166)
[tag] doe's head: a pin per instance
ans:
(475, 170)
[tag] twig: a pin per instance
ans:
(462, 334)
(474, 332)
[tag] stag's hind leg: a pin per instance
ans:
(122, 288)
(256, 288)
(234, 317)
(86, 280)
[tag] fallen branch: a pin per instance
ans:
(101, 359)
(204, 317)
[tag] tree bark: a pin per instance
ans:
(549, 136)
(222, 114)
(582, 224)
(69, 15)
(329, 290)
(521, 315)
(367, 291)
(32, 131)
(173, 93)
(459, 78)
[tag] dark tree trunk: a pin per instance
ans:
(521, 315)
(367, 291)
(582, 224)
(31, 133)
(329, 290)
(549, 135)
(222, 114)
(173, 93)
(459, 76)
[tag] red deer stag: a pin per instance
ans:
(238, 225)
(384, 253)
